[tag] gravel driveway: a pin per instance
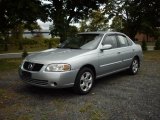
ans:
(116, 97)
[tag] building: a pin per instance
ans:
(141, 36)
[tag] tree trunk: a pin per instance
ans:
(63, 33)
(63, 37)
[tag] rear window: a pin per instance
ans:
(122, 41)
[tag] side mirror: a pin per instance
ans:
(105, 47)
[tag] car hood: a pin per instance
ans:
(55, 55)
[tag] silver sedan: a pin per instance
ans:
(80, 60)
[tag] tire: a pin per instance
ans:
(134, 67)
(84, 81)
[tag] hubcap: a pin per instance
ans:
(86, 81)
(135, 66)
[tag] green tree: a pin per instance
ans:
(97, 21)
(157, 44)
(147, 29)
(144, 45)
(136, 14)
(72, 31)
(117, 23)
(24, 54)
(17, 33)
(64, 12)
(83, 26)
(19, 12)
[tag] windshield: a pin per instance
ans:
(82, 41)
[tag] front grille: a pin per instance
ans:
(32, 66)
(37, 82)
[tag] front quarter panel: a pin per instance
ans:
(90, 58)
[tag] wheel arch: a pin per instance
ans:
(91, 67)
(76, 87)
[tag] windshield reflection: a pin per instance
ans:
(82, 41)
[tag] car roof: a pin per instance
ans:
(100, 32)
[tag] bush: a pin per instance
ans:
(20, 45)
(52, 42)
(144, 45)
(157, 45)
(24, 54)
(49, 44)
(28, 41)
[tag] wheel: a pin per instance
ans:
(84, 81)
(134, 66)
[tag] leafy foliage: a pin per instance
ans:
(144, 45)
(26, 11)
(83, 26)
(19, 12)
(72, 31)
(24, 54)
(96, 22)
(64, 12)
(117, 24)
(52, 42)
(157, 44)
(20, 45)
(137, 15)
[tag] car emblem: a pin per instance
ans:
(30, 66)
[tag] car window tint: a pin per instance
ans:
(122, 41)
(110, 40)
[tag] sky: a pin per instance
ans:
(44, 26)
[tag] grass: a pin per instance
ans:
(95, 113)
(9, 64)
(5, 96)
(29, 49)
(25, 117)
(85, 108)
(152, 55)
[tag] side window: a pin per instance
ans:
(122, 41)
(129, 41)
(110, 40)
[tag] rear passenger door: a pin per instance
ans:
(126, 50)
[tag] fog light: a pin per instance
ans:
(54, 84)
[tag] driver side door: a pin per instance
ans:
(110, 60)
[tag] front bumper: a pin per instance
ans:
(48, 79)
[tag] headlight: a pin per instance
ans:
(58, 68)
